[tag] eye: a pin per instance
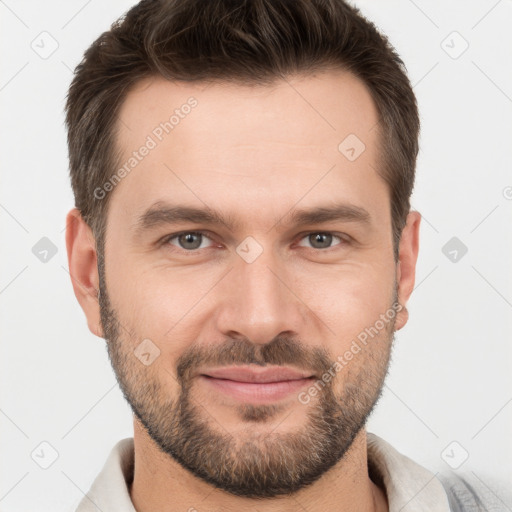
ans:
(188, 240)
(321, 240)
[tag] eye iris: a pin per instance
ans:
(324, 239)
(188, 238)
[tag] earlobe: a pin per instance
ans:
(406, 266)
(83, 268)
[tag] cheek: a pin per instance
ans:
(362, 362)
(349, 300)
(164, 306)
(155, 297)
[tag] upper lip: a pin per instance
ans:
(257, 374)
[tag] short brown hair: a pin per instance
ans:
(250, 42)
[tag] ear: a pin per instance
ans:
(406, 266)
(83, 268)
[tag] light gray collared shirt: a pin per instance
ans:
(409, 486)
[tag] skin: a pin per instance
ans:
(256, 154)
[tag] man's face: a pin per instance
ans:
(266, 288)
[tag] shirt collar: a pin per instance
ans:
(408, 485)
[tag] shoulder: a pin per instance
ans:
(445, 491)
(467, 492)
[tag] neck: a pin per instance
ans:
(160, 483)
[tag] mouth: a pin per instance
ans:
(256, 384)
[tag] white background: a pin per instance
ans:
(450, 379)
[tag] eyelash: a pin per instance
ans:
(344, 239)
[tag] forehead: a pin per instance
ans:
(329, 105)
(265, 146)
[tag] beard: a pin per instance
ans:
(248, 463)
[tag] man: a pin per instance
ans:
(243, 241)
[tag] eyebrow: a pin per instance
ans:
(162, 213)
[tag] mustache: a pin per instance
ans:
(241, 351)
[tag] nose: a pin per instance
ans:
(259, 301)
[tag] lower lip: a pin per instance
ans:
(256, 391)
